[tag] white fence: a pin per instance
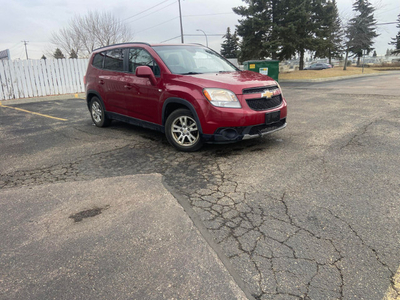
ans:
(42, 77)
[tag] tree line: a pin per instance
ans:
(277, 29)
(283, 29)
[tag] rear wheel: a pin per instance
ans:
(182, 131)
(98, 113)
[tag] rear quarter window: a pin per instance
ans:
(98, 60)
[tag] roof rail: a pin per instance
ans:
(127, 43)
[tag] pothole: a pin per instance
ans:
(78, 217)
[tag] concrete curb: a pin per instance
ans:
(44, 98)
(209, 239)
(339, 77)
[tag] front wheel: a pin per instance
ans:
(182, 131)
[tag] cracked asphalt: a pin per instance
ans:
(309, 212)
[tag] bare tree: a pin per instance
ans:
(91, 31)
(67, 40)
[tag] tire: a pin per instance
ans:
(98, 114)
(182, 131)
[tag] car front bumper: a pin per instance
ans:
(235, 134)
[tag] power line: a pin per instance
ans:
(17, 44)
(389, 23)
(170, 39)
(182, 17)
(188, 16)
(212, 34)
(145, 10)
(158, 24)
(21, 53)
(152, 12)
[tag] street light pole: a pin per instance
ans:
(204, 35)
(180, 17)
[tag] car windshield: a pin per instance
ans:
(189, 60)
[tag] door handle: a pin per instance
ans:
(127, 86)
(101, 81)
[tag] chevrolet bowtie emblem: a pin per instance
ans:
(267, 94)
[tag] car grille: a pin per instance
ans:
(264, 103)
(258, 90)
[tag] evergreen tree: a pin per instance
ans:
(235, 44)
(58, 54)
(73, 54)
(230, 47)
(375, 54)
(329, 31)
(258, 29)
(284, 28)
(396, 41)
(43, 57)
(297, 30)
(361, 30)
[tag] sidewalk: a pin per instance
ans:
(116, 238)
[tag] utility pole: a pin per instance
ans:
(26, 50)
(180, 17)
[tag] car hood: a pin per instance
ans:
(234, 81)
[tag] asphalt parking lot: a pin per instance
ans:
(309, 212)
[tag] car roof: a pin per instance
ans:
(141, 43)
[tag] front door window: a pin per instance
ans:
(140, 57)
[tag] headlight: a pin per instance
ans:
(222, 98)
(280, 89)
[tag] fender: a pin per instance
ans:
(94, 93)
(184, 102)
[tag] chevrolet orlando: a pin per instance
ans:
(189, 92)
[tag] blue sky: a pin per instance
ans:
(35, 20)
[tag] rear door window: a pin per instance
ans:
(114, 60)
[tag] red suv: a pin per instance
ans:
(189, 92)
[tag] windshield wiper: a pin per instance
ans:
(190, 73)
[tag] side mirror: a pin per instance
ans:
(145, 71)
